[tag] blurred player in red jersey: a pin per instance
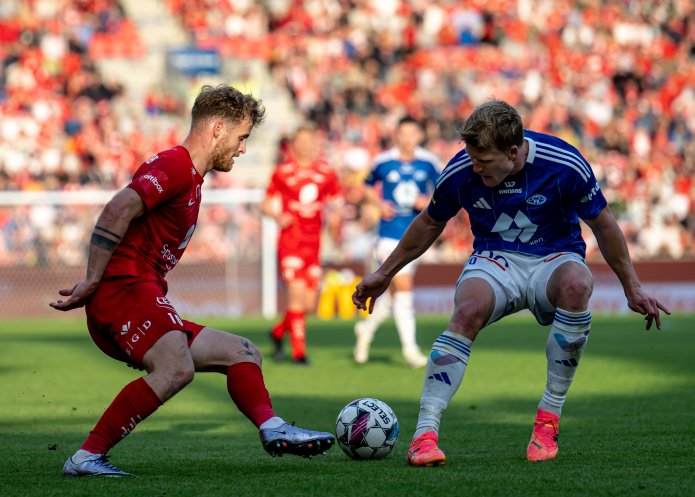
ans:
(141, 235)
(296, 197)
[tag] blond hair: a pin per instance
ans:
(494, 125)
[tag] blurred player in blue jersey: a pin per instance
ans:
(401, 183)
(525, 193)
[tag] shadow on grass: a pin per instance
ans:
(607, 448)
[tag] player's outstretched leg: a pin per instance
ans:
(290, 439)
(247, 389)
(134, 403)
(443, 376)
(84, 463)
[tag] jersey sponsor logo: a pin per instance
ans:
(125, 328)
(592, 193)
(519, 227)
(507, 191)
(152, 159)
(168, 256)
(536, 199)
(482, 204)
(509, 184)
(155, 182)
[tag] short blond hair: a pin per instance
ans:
(228, 103)
(494, 125)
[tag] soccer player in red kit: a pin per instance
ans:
(296, 197)
(141, 235)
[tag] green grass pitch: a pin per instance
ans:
(628, 427)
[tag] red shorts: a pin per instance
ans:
(300, 267)
(126, 316)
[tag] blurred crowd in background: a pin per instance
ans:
(616, 78)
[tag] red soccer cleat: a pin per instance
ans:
(424, 451)
(543, 444)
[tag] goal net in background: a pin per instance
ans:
(229, 268)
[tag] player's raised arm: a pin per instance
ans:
(419, 236)
(612, 244)
(112, 224)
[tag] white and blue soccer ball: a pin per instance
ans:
(367, 428)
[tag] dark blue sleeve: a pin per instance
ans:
(582, 192)
(444, 204)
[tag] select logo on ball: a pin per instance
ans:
(367, 428)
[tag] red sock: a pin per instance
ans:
(279, 329)
(247, 389)
(133, 404)
(297, 325)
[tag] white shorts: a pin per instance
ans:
(519, 281)
(384, 247)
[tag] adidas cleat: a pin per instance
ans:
(96, 465)
(425, 452)
(543, 444)
(290, 439)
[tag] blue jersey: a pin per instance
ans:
(401, 183)
(535, 211)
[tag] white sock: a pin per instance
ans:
(381, 312)
(566, 342)
(445, 368)
(274, 422)
(83, 455)
(404, 315)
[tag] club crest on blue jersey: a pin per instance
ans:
(536, 199)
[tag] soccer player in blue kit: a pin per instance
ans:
(525, 193)
(406, 175)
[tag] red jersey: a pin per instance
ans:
(169, 185)
(304, 192)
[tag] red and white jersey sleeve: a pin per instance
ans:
(170, 188)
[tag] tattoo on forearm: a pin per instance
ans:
(103, 242)
(104, 230)
(245, 343)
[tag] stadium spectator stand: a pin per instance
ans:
(617, 79)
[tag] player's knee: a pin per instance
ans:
(168, 382)
(573, 294)
(468, 319)
(181, 376)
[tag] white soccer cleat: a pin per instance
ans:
(290, 439)
(415, 359)
(95, 465)
(363, 340)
